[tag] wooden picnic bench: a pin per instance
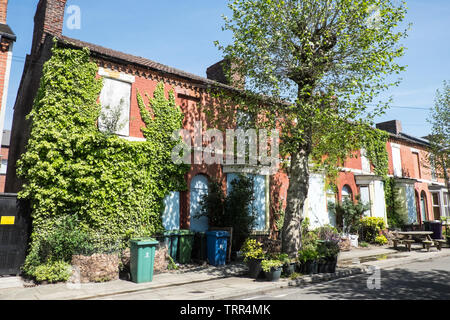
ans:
(406, 238)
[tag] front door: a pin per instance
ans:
(199, 188)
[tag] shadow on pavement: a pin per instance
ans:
(396, 284)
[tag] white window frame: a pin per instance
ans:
(125, 78)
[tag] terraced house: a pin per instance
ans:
(7, 39)
(124, 75)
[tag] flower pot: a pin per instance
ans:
(289, 268)
(274, 274)
(299, 267)
(310, 267)
(322, 266)
(254, 268)
(331, 267)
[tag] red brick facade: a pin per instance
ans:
(190, 91)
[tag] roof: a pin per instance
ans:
(121, 57)
(410, 138)
(6, 138)
(5, 31)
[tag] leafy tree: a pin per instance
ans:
(311, 68)
(440, 133)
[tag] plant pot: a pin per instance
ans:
(274, 274)
(289, 268)
(254, 268)
(331, 265)
(322, 266)
(299, 267)
(310, 267)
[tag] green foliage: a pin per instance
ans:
(233, 210)
(53, 271)
(311, 68)
(363, 244)
(396, 216)
(370, 228)
(439, 157)
(252, 249)
(348, 213)
(115, 187)
(328, 250)
(308, 253)
(269, 265)
(381, 240)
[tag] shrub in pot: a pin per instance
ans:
(288, 264)
(328, 252)
(308, 257)
(272, 269)
(253, 256)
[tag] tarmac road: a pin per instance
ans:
(422, 280)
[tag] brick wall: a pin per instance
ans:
(4, 155)
(3, 10)
(49, 18)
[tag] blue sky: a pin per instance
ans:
(181, 33)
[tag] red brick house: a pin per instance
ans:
(423, 190)
(124, 75)
(7, 39)
(4, 158)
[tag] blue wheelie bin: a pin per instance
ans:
(216, 244)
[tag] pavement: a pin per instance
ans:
(210, 282)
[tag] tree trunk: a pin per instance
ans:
(296, 196)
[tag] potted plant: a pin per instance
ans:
(272, 269)
(253, 256)
(288, 264)
(308, 257)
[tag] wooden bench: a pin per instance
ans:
(397, 242)
(408, 243)
(439, 243)
(427, 244)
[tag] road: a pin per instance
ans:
(425, 280)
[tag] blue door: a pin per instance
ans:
(199, 188)
(259, 193)
(171, 214)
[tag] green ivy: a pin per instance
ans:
(115, 187)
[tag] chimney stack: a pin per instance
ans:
(219, 72)
(49, 18)
(3, 10)
(393, 126)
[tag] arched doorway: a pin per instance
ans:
(423, 205)
(198, 188)
(347, 193)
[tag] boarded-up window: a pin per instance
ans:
(115, 100)
(171, 214)
(436, 205)
(416, 162)
(397, 161)
(259, 193)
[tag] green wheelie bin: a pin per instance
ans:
(186, 242)
(142, 259)
(171, 239)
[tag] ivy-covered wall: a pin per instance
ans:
(115, 188)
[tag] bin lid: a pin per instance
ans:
(218, 234)
(186, 232)
(143, 241)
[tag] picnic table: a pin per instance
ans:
(406, 238)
